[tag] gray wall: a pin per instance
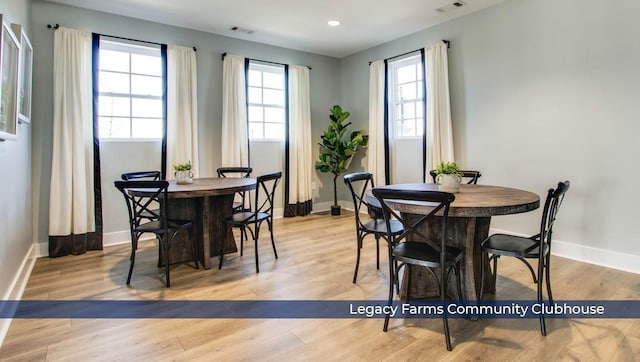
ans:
(324, 91)
(542, 91)
(15, 183)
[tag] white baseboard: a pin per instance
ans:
(587, 254)
(16, 290)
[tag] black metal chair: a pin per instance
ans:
(142, 176)
(471, 176)
(261, 212)
(139, 197)
(410, 248)
(535, 247)
(358, 184)
(238, 172)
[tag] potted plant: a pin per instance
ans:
(448, 177)
(183, 173)
(337, 149)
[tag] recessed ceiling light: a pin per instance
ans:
(333, 22)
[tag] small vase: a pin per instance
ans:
(184, 177)
(449, 182)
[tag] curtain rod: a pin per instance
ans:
(264, 61)
(56, 26)
(413, 51)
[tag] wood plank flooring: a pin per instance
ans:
(316, 260)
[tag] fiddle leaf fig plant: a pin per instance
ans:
(337, 148)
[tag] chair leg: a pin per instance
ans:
(132, 257)
(165, 248)
(443, 296)
(392, 278)
(483, 258)
(495, 273)
(543, 327)
(255, 243)
(243, 233)
(273, 243)
(548, 277)
(377, 251)
(358, 247)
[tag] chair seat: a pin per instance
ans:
(157, 227)
(379, 226)
(423, 254)
(511, 245)
(244, 217)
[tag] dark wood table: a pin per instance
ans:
(469, 220)
(207, 201)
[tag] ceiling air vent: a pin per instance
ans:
(242, 30)
(452, 6)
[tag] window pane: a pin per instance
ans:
(409, 110)
(419, 127)
(146, 86)
(255, 78)
(146, 64)
(255, 130)
(255, 114)
(407, 74)
(408, 91)
(113, 60)
(273, 80)
(113, 106)
(255, 95)
(275, 97)
(113, 127)
(419, 109)
(274, 115)
(274, 131)
(146, 107)
(146, 128)
(407, 128)
(113, 82)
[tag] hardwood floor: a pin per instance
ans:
(316, 260)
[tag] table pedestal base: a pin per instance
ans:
(464, 232)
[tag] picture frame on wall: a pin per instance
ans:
(9, 68)
(25, 74)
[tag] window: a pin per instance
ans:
(267, 104)
(406, 98)
(130, 102)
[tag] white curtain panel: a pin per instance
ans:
(182, 108)
(300, 152)
(375, 147)
(71, 202)
(235, 139)
(439, 133)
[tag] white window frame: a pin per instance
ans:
(133, 48)
(395, 102)
(267, 68)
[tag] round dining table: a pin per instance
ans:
(469, 221)
(206, 201)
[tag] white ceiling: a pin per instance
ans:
(296, 24)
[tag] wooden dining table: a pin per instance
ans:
(469, 221)
(206, 201)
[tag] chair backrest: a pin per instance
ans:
(147, 175)
(236, 171)
(245, 202)
(441, 201)
(551, 207)
(143, 198)
(471, 176)
(358, 183)
(267, 183)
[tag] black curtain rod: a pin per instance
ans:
(413, 51)
(56, 26)
(263, 61)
